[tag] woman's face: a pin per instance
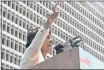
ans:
(47, 45)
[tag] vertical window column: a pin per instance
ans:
(24, 24)
(16, 45)
(20, 47)
(20, 34)
(16, 32)
(13, 5)
(21, 22)
(21, 9)
(7, 56)
(12, 44)
(8, 42)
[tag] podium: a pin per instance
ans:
(66, 60)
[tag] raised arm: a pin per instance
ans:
(30, 53)
(39, 39)
(43, 32)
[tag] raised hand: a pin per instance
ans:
(53, 16)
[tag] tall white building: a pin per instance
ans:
(85, 19)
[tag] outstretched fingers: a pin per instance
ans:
(54, 8)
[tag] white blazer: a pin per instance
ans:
(33, 54)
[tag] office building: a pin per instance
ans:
(85, 19)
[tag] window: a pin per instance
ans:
(50, 6)
(20, 35)
(34, 6)
(12, 30)
(28, 3)
(28, 14)
(2, 55)
(8, 42)
(13, 17)
(31, 4)
(62, 15)
(61, 34)
(11, 59)
(5, 2)
(7, 66)
(41, 11)
(21, 10)
(44, 2)
(20, 22)
(9, 3)
(47, 4)
(24, 12)
(38, 8)
(63, 25)
(16, 33)
(66, 17)
(31, 16)
(3, 41)
(27, 26)
(15, 60)
(60, 23)
(34, 17)
(4, 26)
(58, 32)
(19, 61)
(7, 57)
(44, 12)
(24, 37)
(38, 20)
(4, 13)
(2, 65)
(20, 47)
(24, 24)
(41, 22)
(17, 7)
(8, 29)
(8, 16)
(23, 49)
(17, 19)
(12, 44)
(16, 46)
(13, 5)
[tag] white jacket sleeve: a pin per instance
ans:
(35, 46)
(38, 41)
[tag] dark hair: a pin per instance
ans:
(31, 34)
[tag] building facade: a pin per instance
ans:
(85, 19)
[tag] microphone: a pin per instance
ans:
(68, 44)
(58, 47)
(61, 45)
